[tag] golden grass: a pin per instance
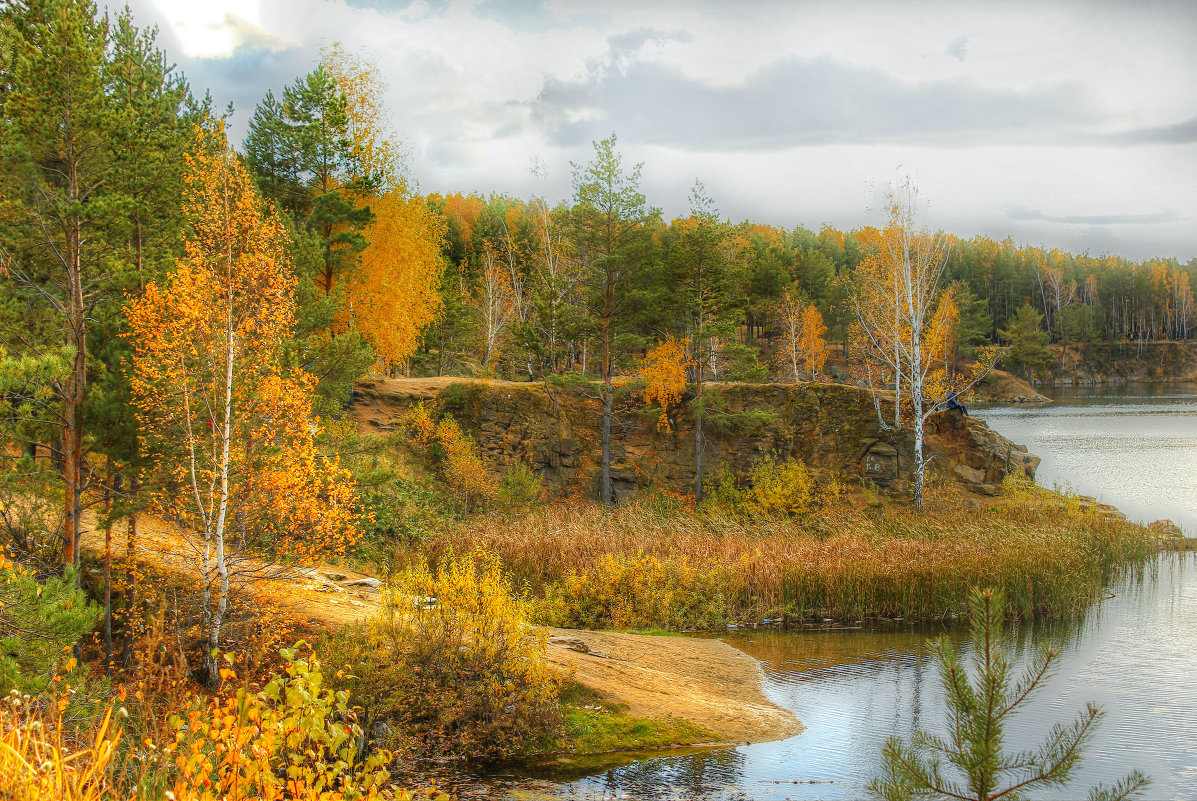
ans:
(850, 560)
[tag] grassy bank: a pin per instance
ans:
(659, 563)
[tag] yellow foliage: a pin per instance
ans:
(664, 373)
(461, 465)
(229, 424)
(295, 739)
(396, 293)
(36, 763)
(373, 154)
(803, 347)
(780, 488)
(453, 660)
(628, 591)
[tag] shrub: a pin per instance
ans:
(39, 622)
(519, 488)
(295, 739)
(630, 591)
(779, 488)
(452, 660)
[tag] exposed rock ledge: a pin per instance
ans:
(705, 681)
(832, 428)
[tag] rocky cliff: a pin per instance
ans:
(832, 428)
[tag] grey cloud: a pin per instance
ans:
(800, 102)
(1023, 213)
(244, 77)
(957, 48)
(1181, 133)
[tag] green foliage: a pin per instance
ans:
(39, 622)
(743, 363)
(977, 766)
(1028, 355)
(519, 488)
(453, 661)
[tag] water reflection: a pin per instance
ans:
(1132, 655)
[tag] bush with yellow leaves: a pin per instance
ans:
(632, 591)
(780, 488)
(454, 454)
(453, 662)
(295, 739)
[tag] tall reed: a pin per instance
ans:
(847, 561)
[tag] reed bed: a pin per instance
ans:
(649, 564)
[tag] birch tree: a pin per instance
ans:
(898, 296)
(229, 425)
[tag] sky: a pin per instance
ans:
(1060, 123)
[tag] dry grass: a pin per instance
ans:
(856, 558)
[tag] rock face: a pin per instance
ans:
(832, 428)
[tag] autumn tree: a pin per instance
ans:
(803, 349)
(494, 301)
(396, 292)
(230, 424)
(900, 305)
(664, 372)
(607, 222)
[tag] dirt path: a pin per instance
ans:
(705, 681)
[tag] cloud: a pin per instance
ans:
(797, 102)
(1023, 213)
(957, 48)
(1180, 133)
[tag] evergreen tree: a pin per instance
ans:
(978, 710)
(700, 261)
(608, 227)
(300, 151)
(56, 201)
(1028, 355)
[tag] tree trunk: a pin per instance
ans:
(131, 572)
(698, 439)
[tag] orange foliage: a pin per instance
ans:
(664, 372)
(803, 345)
(228, 423)
(396, 292)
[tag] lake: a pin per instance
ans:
(1133, 447)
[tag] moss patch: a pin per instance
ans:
(596, 726)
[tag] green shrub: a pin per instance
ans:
(519, 488)
(39, 622)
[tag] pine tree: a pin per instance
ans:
(56, 201)
(978, 709)
(608, 224)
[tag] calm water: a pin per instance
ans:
(1135, 654)
(1133, 446)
